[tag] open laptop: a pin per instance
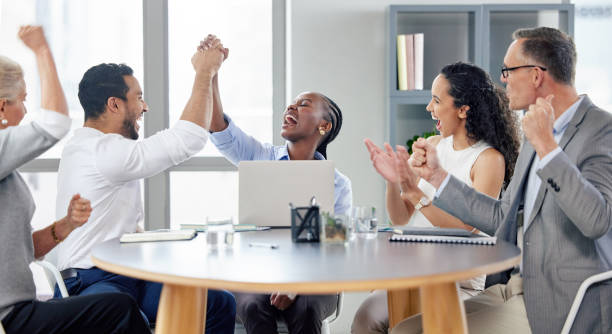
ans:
(265, 189)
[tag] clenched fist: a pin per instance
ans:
(79, 211)
(33, 37)
(538, 125)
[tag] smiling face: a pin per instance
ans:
(14, 110)
(305, 117)
(133, 108)
(442, 108)
(520, 87)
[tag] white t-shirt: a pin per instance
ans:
(105, 169)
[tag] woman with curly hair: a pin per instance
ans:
(478, 143)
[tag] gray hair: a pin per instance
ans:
(11, 78)
(553, 49)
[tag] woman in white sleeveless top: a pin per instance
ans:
(478, 143)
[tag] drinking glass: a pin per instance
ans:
(365, 222)
(219, 232)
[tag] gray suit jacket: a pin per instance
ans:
(572, 209)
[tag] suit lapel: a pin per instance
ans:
(521, 171)
(569, 133)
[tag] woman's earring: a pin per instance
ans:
(321, 131)
(4, 121)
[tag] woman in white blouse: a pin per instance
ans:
(478, 143)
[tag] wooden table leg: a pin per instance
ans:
(182, 309)
(402, 304)
(442, 309)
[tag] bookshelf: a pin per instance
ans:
(479, 34)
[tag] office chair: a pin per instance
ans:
(569, 321)
(53, 276)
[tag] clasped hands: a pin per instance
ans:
(209, 55)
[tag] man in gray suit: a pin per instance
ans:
(562, 186)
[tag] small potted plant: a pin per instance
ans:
(334, 227)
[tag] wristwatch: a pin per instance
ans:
(423, 202)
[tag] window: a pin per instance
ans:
(157, 38)
(194, 196)
(245, 79)
(594, 70)
(81, 34)
(245, 83)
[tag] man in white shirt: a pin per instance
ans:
(104, 163)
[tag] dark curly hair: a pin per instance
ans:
(489, 117)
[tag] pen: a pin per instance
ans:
(263, 244)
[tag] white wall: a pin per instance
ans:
(337, 47)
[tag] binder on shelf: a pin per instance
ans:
(402, 74)
(410, 61)
(419, 40)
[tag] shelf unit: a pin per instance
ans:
(479, 34)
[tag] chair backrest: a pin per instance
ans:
(569, 321)
(53, 277)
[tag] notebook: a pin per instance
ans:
(412, 230)
(473, 240)
(161, 235)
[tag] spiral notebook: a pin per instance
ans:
(475, 240)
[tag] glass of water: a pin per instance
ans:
(219, 232)
(365, 222)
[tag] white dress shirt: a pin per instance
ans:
(105, 169)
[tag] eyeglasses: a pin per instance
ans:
(505, 70)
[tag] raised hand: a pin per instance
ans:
(208, 60)
(79, 211)
(33, 37)
(538, 125)
(425, 162)
(207, 43)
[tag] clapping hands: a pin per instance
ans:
(393, 166)
(400, 167)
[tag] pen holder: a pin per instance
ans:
(305, 224)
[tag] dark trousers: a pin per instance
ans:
(305, 315)
(103, 313)
(220, 308)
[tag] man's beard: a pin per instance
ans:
(129, 129)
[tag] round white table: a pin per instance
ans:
(420, 277)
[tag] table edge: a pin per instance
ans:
(310, 287)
